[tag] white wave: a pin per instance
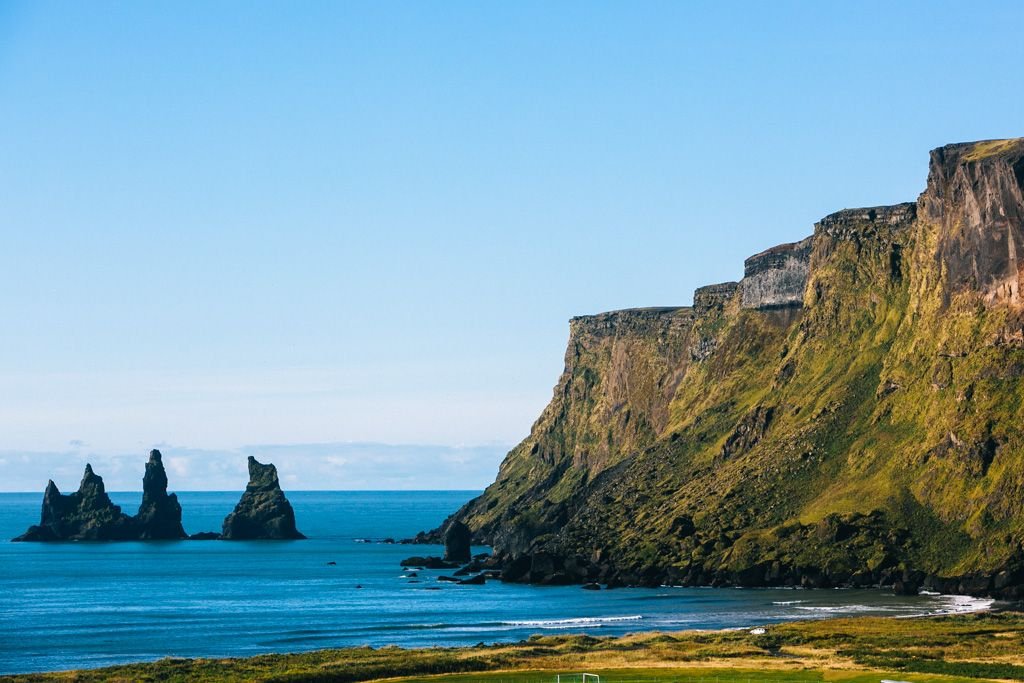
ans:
(842, 609)
(571, 623)
(789, 602)
(961, 604)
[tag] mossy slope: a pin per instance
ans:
(869, 436)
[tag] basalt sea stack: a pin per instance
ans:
(160, 514)
(263, 512)
(86, 515)
(457, 541)
(89, 515)
(849, 414)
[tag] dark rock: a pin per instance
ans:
(263, 511)
(332, 564)
(160, 514)
(457, 540)
(86, 515)
(205, 536)
(477, 580)
(431, 562)
(449, 579)
(591, 586)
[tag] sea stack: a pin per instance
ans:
(457, 539)
(86, 515)
(263, 512)
(160, 514)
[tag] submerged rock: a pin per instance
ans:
(429, 562)
(263, 511)
(86, 515)
(160, 514)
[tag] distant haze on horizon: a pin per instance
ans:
(301, 467)
(348, 224)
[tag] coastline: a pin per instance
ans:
(979, 645)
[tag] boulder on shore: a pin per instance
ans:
(263, 511)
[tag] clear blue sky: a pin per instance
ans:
(228, 224)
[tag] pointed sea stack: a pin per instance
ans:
(263, 512)
(159, 515)
(86, 515)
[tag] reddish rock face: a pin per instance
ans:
(975, 196)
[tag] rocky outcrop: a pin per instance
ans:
(159, 515)
(711, 297)
(776, 277)
(853, 421)
(263, 511)
(86, 515)
(974, 199)
(457, 540)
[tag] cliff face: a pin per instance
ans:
(846, 415)
(974, 198)
(776, 278)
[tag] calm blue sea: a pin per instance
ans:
(77, 605)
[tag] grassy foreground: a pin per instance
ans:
(986, 646)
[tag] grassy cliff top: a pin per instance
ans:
(984, 149)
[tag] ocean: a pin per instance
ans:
(81, 605)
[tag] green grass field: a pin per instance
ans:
(674, 675)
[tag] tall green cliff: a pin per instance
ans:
(849, 413)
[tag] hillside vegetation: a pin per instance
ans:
(848, 414)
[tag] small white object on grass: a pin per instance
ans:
(758, 631)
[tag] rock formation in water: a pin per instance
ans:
(159, 515)
(263, 512)
(86, 515)
(457, 541)
(848, 414)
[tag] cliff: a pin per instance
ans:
(846, 415)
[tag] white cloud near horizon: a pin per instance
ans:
(320, 466)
